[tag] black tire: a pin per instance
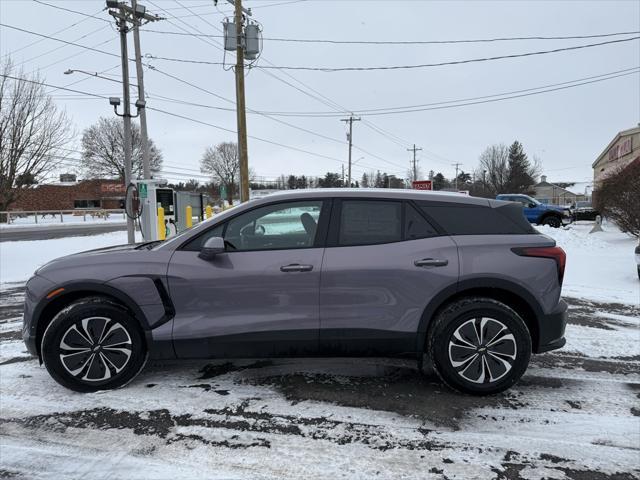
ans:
(93, 344)
(553, 221)
(457, 364)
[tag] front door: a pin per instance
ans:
(261, 296)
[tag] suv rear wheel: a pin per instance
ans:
(93, 344)
(479, 346)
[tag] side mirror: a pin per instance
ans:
(532, 205)
(211, 248)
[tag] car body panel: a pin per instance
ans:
(490, 256)
(372, 296)
(243, 297)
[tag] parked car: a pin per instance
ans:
(540, 213)
(584, 211)
(341, 272)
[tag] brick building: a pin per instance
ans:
(85, 194)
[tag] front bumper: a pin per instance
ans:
(552, 326)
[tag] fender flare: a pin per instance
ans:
(91, 287)
(456, 289)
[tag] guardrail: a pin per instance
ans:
(28, 217)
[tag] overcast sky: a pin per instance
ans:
(566, 129)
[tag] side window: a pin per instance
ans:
(475, 220)
(280, 226)
(365, 222)
(415, 225)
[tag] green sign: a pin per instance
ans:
(142, 190)
(223, 192)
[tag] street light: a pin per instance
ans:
(93, 74)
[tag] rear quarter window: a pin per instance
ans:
(478, 220)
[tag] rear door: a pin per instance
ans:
(261, 296)
(383, 264)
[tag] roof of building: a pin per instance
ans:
(623, 133)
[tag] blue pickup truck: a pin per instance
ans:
(540, 213)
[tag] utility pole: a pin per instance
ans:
(123, 14)
(121, 21)
(456, 165)
(343, 184)
(351, 119)
(240, 105)
(146, 170)
(415, 166)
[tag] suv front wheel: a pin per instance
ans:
(93, 344)
(479, 346)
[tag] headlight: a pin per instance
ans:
(567, 213)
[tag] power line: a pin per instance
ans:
(407, 67)
(407, 42)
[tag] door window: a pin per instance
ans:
(365, 222)
(416, 226)
(280, 226)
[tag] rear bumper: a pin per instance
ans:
(551, 332)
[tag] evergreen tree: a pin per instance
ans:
(365, 180)
(520, 176)
(439, 182)
(291, 182)
(379, 183)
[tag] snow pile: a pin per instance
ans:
(600, 266)
(18, 260)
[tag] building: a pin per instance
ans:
(85, 194)
(551, 193)
(623, 150)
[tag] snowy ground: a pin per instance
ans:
(574, 415)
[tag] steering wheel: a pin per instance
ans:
(259, 230)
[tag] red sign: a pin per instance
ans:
(621, 149)
(422, 185)
(112, 188)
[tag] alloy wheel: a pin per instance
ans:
(482, 350)
(95, 349)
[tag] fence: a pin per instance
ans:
(61, 216)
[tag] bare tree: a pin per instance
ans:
(494, 168)
(223, 164)
(618, 198)
(103, 150)
(33, 133)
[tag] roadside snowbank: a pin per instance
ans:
(18, 260)
(600, 266)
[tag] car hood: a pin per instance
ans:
(103, 264)
(557, 208)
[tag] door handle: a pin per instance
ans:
(431, 262)
(296, 267)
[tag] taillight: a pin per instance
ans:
(556, 253)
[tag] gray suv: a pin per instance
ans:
(467, 281)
